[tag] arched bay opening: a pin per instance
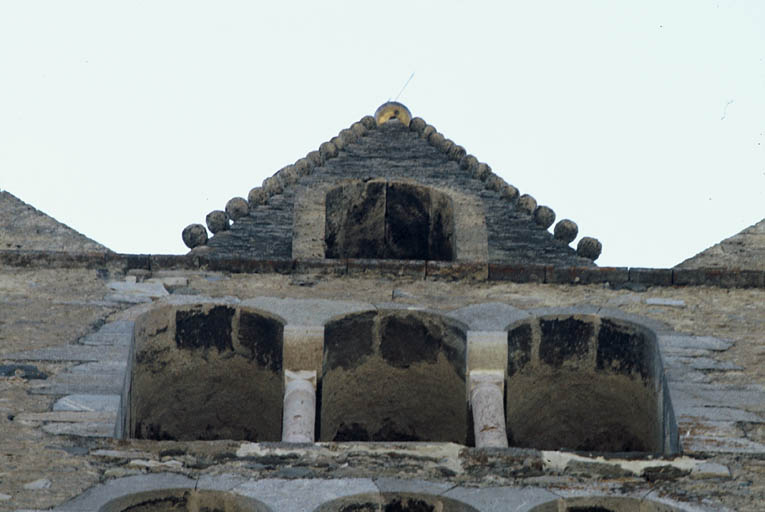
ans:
(184, 500)
(395, 502)
(603, 504)
(386, 219)
(586, 383)
(394, 375)
(204, 372)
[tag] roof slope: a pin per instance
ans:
(268, 223)
(24, 228)
(745, 250)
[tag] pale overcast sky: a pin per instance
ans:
(644, 122)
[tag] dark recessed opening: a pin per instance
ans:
(603, 504)
(388, 220)
(586, 383)
(393, 376)
(184, 500)
(395, 502)
(206, 372)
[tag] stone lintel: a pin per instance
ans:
(303, 347)
(487, 350)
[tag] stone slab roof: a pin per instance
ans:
(24, 228)
(284, 218)
(745, 250)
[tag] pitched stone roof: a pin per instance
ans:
(24, 228)
(284, 218)
(745, 250)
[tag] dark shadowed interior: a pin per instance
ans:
(207, 372)
(184, 500)
(395, 220)
(603, 504)
(395, 502)
(584, 383)
(393, 375)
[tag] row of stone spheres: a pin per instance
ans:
(566, 230)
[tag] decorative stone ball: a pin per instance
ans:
(469, 162)
(566, 230)
(347, 136)
(359, 129)
(368, 122)
(456, 152)
(272, 185)
(428, 131)
(417, 125)
(194, 235)
(482, 171)
(327, 150)
(544, 216)
(338, 142)
(589, 248)
(509, 193)
(257, 196)
(495, 183)
(288, 175)
(438, 141)
(527, 204)
(237, 207)
(314, 157)
(217, 220)
(303, 167)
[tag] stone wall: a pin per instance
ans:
(70, 325)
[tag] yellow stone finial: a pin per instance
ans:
(392, 110)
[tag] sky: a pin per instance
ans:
(643, 122)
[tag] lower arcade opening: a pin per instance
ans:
(394, 375)
(587, 383)
(206, 372)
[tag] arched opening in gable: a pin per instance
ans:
(393, 375)
(388, 220)
(205, 372)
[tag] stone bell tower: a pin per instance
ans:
(384, 325)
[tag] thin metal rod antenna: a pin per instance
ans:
(402, 89)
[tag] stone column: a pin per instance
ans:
(299, 418)
(486, 400)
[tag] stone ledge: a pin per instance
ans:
(513, 272)
(587, 275)
(517, 273)
(60, 259)
(723, 278)
(651, 276)
(395, 268)
(454, 271)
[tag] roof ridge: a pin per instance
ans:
(565, 230)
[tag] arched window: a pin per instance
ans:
(392, 220)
